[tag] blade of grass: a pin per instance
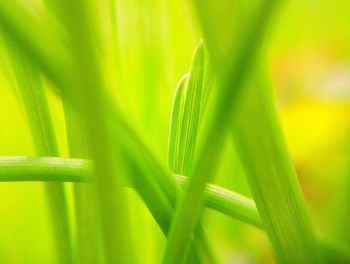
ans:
(160, 176)
(34, 101)
(175, 125)
(85, 207)
(87, 233)
(183, 132)
(22, 168)
(191, 113)
(185, 116)
(227, 202)
(174, 137)
(89, 97)
(272, 178)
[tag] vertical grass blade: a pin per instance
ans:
(34, 101)
(185, 117)
(175, 124)
(88, 94)
(184, 129)
(87, 233)
(183, 133)
(191, 113)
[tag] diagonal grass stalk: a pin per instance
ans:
(280, 202)
(34, 102)
(290, 198)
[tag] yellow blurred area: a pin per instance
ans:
(314, 129)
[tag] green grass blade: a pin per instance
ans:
(228, 202)
(136, 149)
(21, 168)
(89, 97)
(280, 201)
(191, 113)
(184, 129)
(34, 101)
(235, 75)
(86, 225)
(18, 168)
(175, 125)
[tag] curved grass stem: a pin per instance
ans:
(33, 99)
